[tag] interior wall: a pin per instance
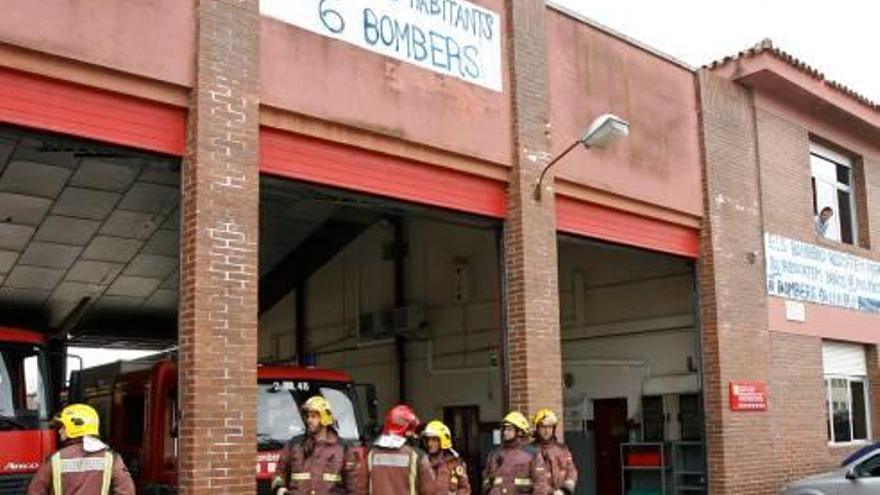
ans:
(453, 292)
(627, 323)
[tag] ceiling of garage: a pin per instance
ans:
(88, 239)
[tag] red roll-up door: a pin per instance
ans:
(601, 222)
(54, 105)
(314, 160)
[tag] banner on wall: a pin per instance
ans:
(807, 272)
(452, 37)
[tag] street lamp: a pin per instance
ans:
(604, 129)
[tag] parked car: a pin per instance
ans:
(860, 453)
(859, 476)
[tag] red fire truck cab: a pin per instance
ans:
(25, 408)
(137, 402)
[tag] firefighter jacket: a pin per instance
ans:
(316, 467)
(83, 467)
(450, 474)
(561, 471)
(395, 468)
(514, 468)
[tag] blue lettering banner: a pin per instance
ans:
(456, 38)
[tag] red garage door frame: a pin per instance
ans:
(43, 103)
(600, 222)
(295, 156)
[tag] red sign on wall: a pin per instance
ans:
(748, 396)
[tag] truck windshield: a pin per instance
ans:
(278, 410)
(23, 391)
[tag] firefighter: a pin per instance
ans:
(562, 472)
(84, 465)
(515, 466)
(318, 464)
(393, 466)
(450, 472)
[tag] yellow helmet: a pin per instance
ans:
(517, 420)
(78, 420)
(545, 417)
(320, 405)
(436, 429)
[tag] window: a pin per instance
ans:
(343, 413)
(833, 198)
(846, 392)
(690, 410)
(653, 419)
(278, 418)
(23, 394)
(869, 468)
(134, 419)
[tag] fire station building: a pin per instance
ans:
(363, 186)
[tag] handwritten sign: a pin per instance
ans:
(806, 272)
(452, 37)
(748, 396)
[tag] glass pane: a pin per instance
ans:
(691, 417)
(343, 413)
(859, 411)
(6, 393)
(826, 197)
(843, 174)
(870, 468)
(846, 216)
(840, 410)
(134, 418)
(23, 396)
(823, 169)
(813, 185)
(34, 387)
(827, 410)
(278, 418)
(652, 418)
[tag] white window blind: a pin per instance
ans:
(841, 358)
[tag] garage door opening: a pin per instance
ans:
(88, 274)
(631, 368)
(404, 297)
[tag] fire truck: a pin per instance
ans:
(25, 408)
(137, 402)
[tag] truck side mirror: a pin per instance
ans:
(75, 392)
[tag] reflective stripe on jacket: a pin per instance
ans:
(402, 471)
(75, 471)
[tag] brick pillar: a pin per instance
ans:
(872, 356)
(533, 348)
(736, 340)
(218, 308)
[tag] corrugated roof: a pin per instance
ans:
(766, 46)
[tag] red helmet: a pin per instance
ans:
(400, 421)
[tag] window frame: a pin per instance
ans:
(849, 397)
(839, 159)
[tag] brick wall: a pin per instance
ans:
(797, 398)
(735, 338)
(533, 346)
(786, 196)
(784, 160)
(871, 172)
(757, 179)
(218, 307)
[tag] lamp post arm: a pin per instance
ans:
(552, 162)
